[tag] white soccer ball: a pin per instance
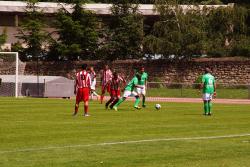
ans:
(158, 106)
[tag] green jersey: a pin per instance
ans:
(131, 85)
(144, 77)
(208, 82)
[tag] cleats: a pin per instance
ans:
(144, 106)
(137, 107)
(115, 108)
(86, 115)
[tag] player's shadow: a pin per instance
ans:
(192, 114)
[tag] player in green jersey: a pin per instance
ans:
(208, 87)
(129, 91)
(143, 83)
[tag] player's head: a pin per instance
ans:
(115, 75)
(91, 68)
(207, 70)
(84, 66)
(106, 67)
(142, 69)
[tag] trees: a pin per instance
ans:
(3, 38)
(78, 34)
(178, 34)
(125, 32)
(32, 34)
(185, 34)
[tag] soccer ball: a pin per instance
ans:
(158, 106)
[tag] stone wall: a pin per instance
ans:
(228, 71)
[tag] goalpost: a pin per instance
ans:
(5, 72)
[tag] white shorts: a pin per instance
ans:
(141, 91)
(92, 86)
(128, 93)
(207, 96)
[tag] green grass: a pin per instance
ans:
(43, 123)
(229, 93)
(195, 93)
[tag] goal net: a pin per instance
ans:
(10, 69)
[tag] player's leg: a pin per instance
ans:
(103, 93)
(137, 100)
(76, 108)
(143, 93)
(86, 101)
(210, 105)
(114, 102)
(205, 103)
(91, 95)
(126, 94)
(110, 101)
(78, 99)
(116, 98)
(86, 108)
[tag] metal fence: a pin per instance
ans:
(64, 88)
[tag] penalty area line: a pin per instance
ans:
(125, 142)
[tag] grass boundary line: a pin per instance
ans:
(126, 142)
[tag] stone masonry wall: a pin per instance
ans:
(228, 71)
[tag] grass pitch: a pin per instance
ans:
(42, 133)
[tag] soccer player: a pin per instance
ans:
(208, 87)
(93, 83)
(81, 89)
(143, 83)
(129, 90)
(106, 76)
(115, 89)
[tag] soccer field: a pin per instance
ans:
(42, 133)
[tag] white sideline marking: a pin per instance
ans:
(125, 142)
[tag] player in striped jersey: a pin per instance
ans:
(106, 76)
(82, 88)
(115, 89)
(93, 83)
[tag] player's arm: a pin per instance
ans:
(202, 85)
(146, 82)
(75, 85)
(89, 81)
(215, 86)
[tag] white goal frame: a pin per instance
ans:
(17, 65)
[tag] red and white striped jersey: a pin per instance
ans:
(115, 84)
(83, 79)
(106, 76)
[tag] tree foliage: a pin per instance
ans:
(3, 37)
(125, 32)
(32, 33)
(78, 34)
(185, 34)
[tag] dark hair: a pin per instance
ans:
(84, 66)
(207, 70)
